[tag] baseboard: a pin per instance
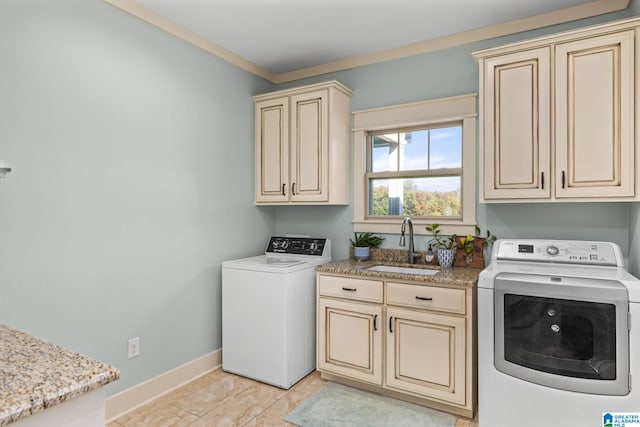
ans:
(141, 394)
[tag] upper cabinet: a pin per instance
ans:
(557, 117)
(302, 145)
(516, 112)
(594, 102)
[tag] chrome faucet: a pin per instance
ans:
(412, 252)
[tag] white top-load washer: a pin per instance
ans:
(558, 335)
(269, 311)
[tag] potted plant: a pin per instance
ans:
(446, 247)
(468, 245)
(362, 242)
(473, 248)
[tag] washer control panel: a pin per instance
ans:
(565, 251)
(553, 250)
(297, 246)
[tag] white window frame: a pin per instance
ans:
(437, 111)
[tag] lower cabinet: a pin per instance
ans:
(426, 354)
(411, 341)
(352, 339)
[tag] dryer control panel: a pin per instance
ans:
(298, 246)
(563, 251)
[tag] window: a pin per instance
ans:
(415, 172)
(416, 160)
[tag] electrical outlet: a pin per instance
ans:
(133, 348)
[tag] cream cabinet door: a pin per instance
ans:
(350, 339)
(302, 145)
(310, 146)
(516, 134)
(272, 150)
(426, 354)
(595, 154)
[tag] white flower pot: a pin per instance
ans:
(446, 256)
(361, 253)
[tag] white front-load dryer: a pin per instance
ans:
(558, 336)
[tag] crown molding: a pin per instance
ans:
(588, 10)
(561, 16)
(148, 15)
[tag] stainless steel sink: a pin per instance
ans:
(403, 270)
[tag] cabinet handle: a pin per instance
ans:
(293, 189)
(542, 179)
(283, 185)
(424, 298)
(349, 289)
(563, 178)
(375, 320)
(391, 324)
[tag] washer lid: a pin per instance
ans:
(273, 262)
(281, 264)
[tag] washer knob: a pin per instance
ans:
(553, 250)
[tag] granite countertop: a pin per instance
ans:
(35, 375)
(454, 276)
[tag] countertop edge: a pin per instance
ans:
(22, 403)
(452, 276)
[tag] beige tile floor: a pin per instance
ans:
(221, 399)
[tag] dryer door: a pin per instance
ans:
(565, 333)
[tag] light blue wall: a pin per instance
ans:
(447, 73)
(133, 180)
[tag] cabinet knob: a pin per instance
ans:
(391, 324)
(293, 189)
(375, 321)
(283, 193)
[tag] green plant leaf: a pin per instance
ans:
(365, 239)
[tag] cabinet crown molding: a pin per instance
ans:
(303, 89)
(551, 39)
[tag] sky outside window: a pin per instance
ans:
(435, 148)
